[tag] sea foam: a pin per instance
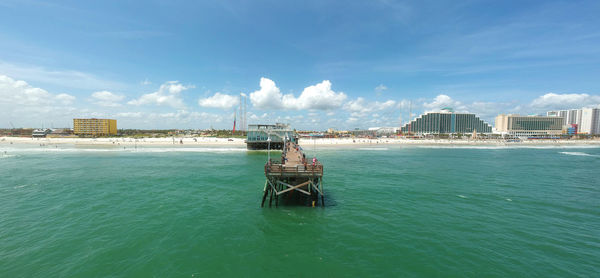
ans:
(128, 149)
(7, 155)
(501, 147)
(579, 154)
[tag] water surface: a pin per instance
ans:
(391, 212)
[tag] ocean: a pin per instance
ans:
(391, 211)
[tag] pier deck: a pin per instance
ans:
(294, 173)
(295, 165)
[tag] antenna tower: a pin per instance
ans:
(245, 116)
(409, 116)
(243, 113)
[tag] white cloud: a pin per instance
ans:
(268, 97)
(218, 100)
(18, 92)
(360, 106)
(404, 104)
(385, 105)
(443, 101)
(565, 101)
(379, 89)
(167, 95)
(253, 117)
(65, 99)
(130, 115)
(319, 97)
(62, 78)
(28, 105)
(106, 98)
(184, 116)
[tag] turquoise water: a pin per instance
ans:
(390, 212)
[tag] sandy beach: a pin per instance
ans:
(341, 142)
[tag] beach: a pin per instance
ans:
(330, 142)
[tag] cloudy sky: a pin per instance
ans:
(314, 64)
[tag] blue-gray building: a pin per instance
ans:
(446, 122)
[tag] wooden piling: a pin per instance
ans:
(294, 173)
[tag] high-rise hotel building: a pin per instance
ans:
(446, 122)
(94, 127)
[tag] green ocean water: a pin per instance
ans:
(72, 211)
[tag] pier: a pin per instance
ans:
(294, 173)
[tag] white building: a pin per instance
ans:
(586, 119)
(590, 121)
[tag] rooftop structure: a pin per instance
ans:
(262, 137)
(518, 125)
(40, 133)
(94, 127)
(446, 122)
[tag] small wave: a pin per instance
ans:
(373, 149)
(580, 154)
(504, 147)
(21, 186)
(461, 196)
(162, 150)
(127, 149)
(7, 155)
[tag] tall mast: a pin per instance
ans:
(409, 116)
(234, 116)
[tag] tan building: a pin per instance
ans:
(529, 125)
(94, 127)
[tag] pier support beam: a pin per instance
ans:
(292, 174)
(266, 190)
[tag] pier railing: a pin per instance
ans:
(298, 170)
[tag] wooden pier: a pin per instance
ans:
(295, 172)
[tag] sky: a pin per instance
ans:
(313, 64)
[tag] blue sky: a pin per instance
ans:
(321, 64)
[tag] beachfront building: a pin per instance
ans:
(383, 131)
(587, 120)
(40, 133)
(262, 137)
(590, 121)
(94, 127)
(572, 116)
(517, 125)
(446, 122)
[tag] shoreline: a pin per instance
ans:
(327, 142)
